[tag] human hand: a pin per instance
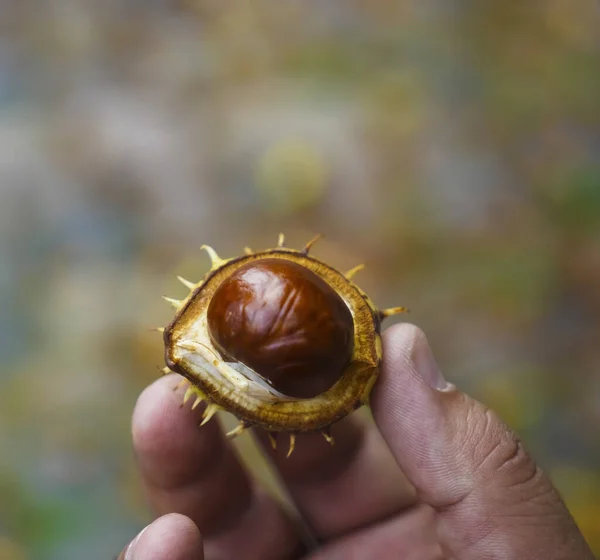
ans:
(438, 477)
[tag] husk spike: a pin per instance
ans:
(175, 303)
(239, 429)
(292, 444)
(328, 437)
(210, 411)
(188, 393)
(216, 261)
(383, 313)
(189, 285)
(197, 402)
(309, 245)
(352, 272)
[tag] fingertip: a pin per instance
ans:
(171, 537)
(167, 441)
(399, 339)
(401, 344)
(406, 346)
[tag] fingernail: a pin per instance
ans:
(130, 553)
(427, 367)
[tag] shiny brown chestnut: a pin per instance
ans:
(285, 323)
(278, 338)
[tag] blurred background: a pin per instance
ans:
(452, 146)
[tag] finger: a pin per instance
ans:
(492, 499)
(410, 536)
(172, 537)
(338, 488)
(186, 469)
(194, 471)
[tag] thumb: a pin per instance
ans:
(492, 500)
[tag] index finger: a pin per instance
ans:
(194, 471)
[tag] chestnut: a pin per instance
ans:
(285, 323)
(278, 338)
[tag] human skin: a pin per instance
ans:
(437, 476)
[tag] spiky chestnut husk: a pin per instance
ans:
(225, 383)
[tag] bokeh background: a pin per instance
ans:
(452, 146)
